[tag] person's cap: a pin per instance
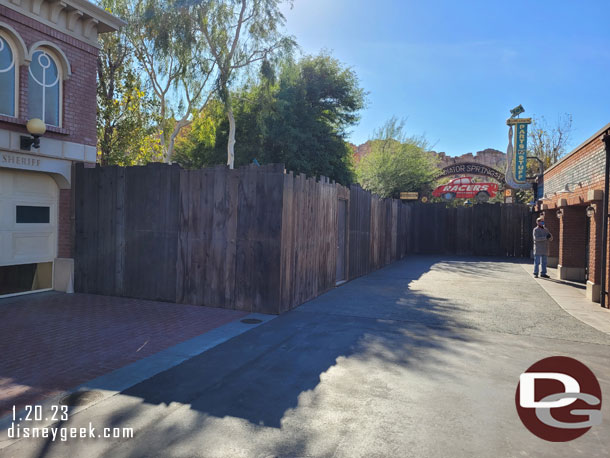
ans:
(540, 219)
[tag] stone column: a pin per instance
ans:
(63, 268)
(595, 252)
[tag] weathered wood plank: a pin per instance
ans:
(256, 238)
(244, 287)
(231, 203)
(182, 258)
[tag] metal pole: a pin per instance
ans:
(606, 140)
(539, 177)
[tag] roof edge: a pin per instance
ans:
(579, 147)
(111, 22)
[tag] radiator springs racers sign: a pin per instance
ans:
(466, 188)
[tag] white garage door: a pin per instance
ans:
(28, 217)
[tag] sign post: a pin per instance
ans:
(520, 168)
(516, 164)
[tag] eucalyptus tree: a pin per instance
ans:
(239, 33)
(175, 58)
(126, 115)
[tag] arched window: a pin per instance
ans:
(44, 88)
(8, 78)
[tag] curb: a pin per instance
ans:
(592, 315)
(125, 377)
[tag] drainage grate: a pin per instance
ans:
(251, 321)
(81, 398)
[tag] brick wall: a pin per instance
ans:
(572, 241)
(585, 165)
(79, 92)
(552, 224)
(79, 104)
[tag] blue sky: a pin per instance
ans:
(455, 68)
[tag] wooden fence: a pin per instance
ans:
(256, 238)
(480, 230)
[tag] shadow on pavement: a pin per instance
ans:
(568, 283)
(298, 384)
(260, 375)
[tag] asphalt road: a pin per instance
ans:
(419, 359)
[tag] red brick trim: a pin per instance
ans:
(79, 91)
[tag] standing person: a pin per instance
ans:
(542, 237)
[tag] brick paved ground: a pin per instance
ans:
(52, 342)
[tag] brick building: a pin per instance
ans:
(573, 190)
(48, 68)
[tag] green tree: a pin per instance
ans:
(197, 146)
(125, 118)
(239, 33)
(317, 101)
(397, 162)
(301, 119)
(175, 59)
